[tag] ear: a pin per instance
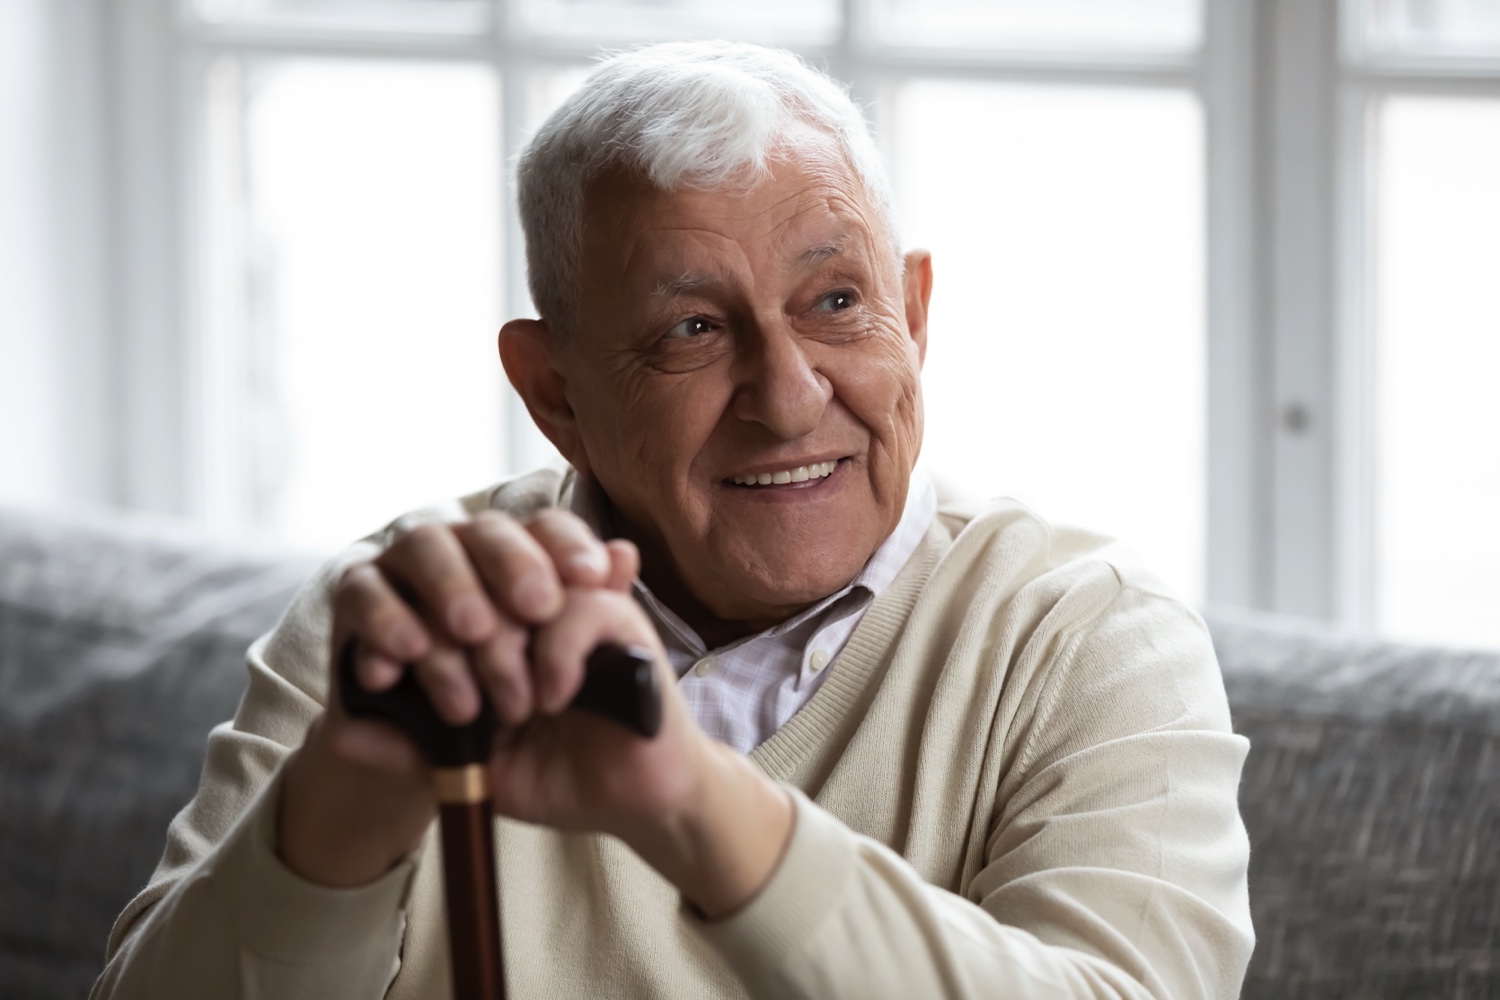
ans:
(917, 278)
(529, 354)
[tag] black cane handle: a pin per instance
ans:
(619, 683)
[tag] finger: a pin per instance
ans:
(366, 607)
(559, 650)
(429, 565)
(517, 570)
(504, 672)
(624, 564)
(375, 671)
(444, 676)
(581, 559)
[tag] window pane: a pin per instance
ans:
(1043, 25)
(1065, 363)
(426, 16)
(546, 90)
(787, 22)
(1431, 27)
(372, 204)
(1437, 317)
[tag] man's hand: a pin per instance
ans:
(492, 608)
(458, 602)
(695, 810)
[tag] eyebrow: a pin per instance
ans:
(822, 252)
(688, 282)
(685, 284)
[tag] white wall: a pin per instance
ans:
(58, 414)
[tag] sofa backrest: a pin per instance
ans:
(1372, 798)
(121, 644)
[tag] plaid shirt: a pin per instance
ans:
(743, 692)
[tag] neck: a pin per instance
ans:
(659, 574)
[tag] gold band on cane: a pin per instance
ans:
(462, 784)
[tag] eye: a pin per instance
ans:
(835, 302)
(693, 326)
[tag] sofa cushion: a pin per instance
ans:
(121, 644)
(1372, 798)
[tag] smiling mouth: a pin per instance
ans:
(781, 477)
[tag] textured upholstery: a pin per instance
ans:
(1372, 791)
(120, 646)
(1372, 797)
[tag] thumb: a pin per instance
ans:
(624, 564)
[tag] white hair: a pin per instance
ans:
(695, 115)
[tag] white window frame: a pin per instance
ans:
(1289, 432)
(1320, 330)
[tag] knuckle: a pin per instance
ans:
(359, 576)
(559, 522)
(500, 538)
(358, 588)
(386, 618)
(441, 665)
(492, 521)
(594, 603)
(423, 536)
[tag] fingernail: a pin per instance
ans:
(467, 617)
(590, 561)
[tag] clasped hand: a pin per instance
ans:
(493, 608)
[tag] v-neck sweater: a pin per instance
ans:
(1019, 779)
(742, 692)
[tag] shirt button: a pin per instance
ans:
(704, 667)
(818, 661)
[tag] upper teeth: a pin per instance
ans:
(800, 474)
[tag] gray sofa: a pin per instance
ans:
(1372, 791)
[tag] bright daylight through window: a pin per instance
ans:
(1058, 157)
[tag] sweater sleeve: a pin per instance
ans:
(1115, 864)
(222, 916)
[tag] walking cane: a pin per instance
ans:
(619, 684)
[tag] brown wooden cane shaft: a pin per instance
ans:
(473, 910)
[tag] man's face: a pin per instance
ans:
(730, 335)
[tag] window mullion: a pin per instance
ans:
(155, 375)
(1238, 498)
(1304, 449)
(526, 447)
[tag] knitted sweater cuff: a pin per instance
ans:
(808, 885)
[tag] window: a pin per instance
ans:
(361, 264)
(1073, 283)
(337, 292)
(1224, 294)
(1421, 83)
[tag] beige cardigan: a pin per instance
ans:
(1019, 780)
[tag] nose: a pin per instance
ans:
(776, 384)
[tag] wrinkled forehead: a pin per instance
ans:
(806, 204)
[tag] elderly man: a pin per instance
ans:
(912, 747)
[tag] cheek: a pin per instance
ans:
(647, 431)
(884, 392)
(885, 395)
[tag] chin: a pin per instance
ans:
(795, 584)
